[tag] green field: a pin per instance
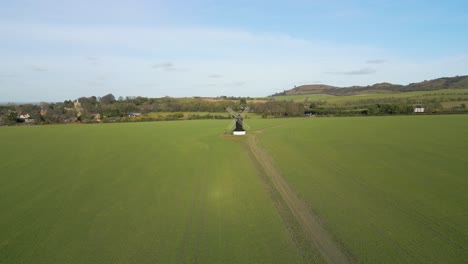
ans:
(188, 114)
(161, 192)
(391, 189)
(388, 189)
(422, 96)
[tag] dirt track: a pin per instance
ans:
(308, 221)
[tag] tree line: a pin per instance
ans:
(132, 109)
(109, 109)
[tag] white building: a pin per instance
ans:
(419, 109)
(25, 116)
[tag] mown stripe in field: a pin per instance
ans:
(201, 216)
(194, 222)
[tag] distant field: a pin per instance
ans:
(391, 189)
(448, 94)
(188, 114)
(160, 192)
(302, 98)
(388, 189)
(454, 104)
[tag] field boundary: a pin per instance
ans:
(308, 222)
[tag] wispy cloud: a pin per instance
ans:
(237, 83)
(174, 69)
(38, 69)
(164, 65)
(148, 85)
(215, 76)
(258, 59)
(376, 61)
(101, 77)
(167, 66)
(8, 75)
(363, 71)
(95, 83)
(92, 60)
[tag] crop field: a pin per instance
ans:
(375, 189)
(390, 189)
(187, 115)
(160, 192)
(444, 95)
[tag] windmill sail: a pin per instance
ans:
(238, 121)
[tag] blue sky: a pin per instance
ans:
(58, 50)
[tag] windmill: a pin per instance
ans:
(238, 122)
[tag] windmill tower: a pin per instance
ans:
(238, 122)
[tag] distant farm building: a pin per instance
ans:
(96, 117)
(134, 114)
(24, 116)
(419, 109)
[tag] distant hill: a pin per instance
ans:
(458, 82)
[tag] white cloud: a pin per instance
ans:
(376, 61)
(362, 71)
(182, 59)
(215, 76)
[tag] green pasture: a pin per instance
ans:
(390, 189)
(303, 97)
(443, 95)
(187, 115)
(454, 104)
(159, 192)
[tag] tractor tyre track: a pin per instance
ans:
(309, 222)
(192, 236)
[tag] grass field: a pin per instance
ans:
(391, 189)
(388, 189)
(443, 95)
(161, 192)
(188, 114)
